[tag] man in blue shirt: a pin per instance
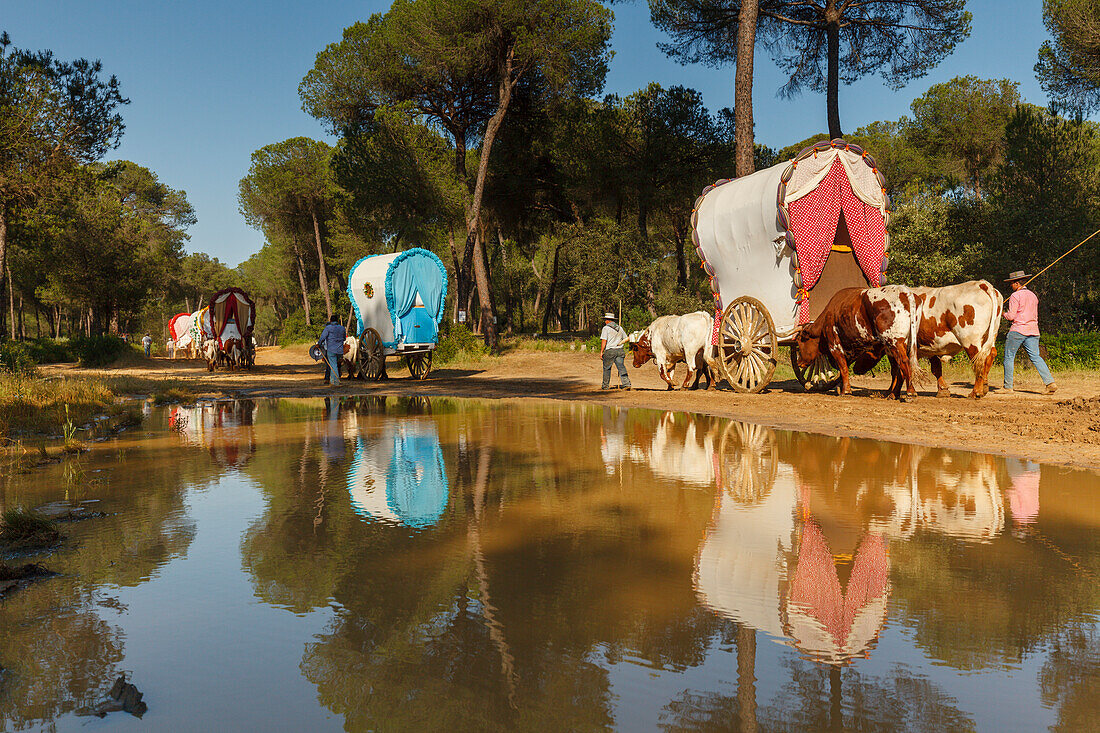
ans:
(332, 341)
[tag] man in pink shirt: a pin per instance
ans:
(1023, 312)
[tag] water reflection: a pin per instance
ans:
(470, 565)
(398, 473)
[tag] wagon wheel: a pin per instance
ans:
(749, 462)
(420, 365)
(371, 357)
(747, 345)
(820, 376)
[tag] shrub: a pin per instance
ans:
(294, 330)
(458, 343)
(97, 351)
(50, 351)
(16, 358)
(1080, 350)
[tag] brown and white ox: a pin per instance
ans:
(670, 340)
(960, 318)
(858, 326)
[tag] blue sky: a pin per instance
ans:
(209, 82)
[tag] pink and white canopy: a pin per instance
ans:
(768, 235)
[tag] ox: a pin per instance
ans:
(858, 326)
(350, 359)
(670, 340)
(960, 318)
(211, 354)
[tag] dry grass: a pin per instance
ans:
(23, 529)
(35, 405)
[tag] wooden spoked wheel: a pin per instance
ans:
(747, 345)
(820, 376)
(419, 364)
(749, 462)
(372, 357)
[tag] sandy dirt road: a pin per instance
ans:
(1062, 429)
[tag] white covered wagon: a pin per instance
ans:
(778, 244)
(398, 300)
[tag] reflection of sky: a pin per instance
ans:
(199, 630)
(997, 700)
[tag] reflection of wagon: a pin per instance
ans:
(398, 299)
(779, 243)
(398, 475)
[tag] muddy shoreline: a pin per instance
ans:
(1063, 429)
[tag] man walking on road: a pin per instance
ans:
(332, 342)
(612, 338)
(1023, 312)
(147, 342)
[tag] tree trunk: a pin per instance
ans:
(480, 270)
(679, 233)
(550, 292)
(322, 271)
(743, 144)
(3, 258)
(832, 92)
(302, 282)
(746, 677)
(11, 302)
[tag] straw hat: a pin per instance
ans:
(609, 316)
(1017, 275)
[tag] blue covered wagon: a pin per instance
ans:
(398, 300)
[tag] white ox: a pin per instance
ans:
(954, 318)
(670, 340)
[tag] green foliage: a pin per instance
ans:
(1072, 350)
(937, 240)
(98, 351)
(959, 127)
(1069, 65)
(16, 358)
(50, 351)
(457, 343)
(295, 331)
(1044, 197)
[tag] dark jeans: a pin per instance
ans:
(616, 357)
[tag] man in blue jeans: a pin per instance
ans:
(1023, 311)
(332, 342)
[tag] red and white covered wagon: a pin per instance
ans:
(228, 321)
(779, 243)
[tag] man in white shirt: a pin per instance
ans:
(612, 338)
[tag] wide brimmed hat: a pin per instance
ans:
(1017, 275)
(609, 316)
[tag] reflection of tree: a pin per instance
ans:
(1071, 679)
(818, 697)
(59, 653)
(542, 563)
(61, 659)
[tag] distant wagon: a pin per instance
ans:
(778, 244)
(179, 328)
(398, 300)
(229, 320)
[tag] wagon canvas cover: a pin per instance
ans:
(772, 235)
(232, 315)
(400, 295)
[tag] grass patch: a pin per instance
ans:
(22, 529)
(173, 394)
(32, 405)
